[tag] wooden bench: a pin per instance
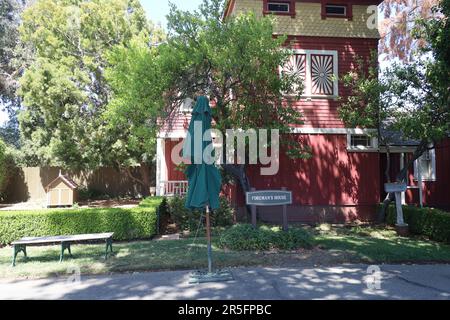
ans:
(64, 241)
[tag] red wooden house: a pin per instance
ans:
(344, 178)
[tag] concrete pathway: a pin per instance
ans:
(340, 282)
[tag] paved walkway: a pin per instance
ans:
(340, 282)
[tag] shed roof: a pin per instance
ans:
(68, 181)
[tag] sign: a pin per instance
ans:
(269, 198)
(395, 187)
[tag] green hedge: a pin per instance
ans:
(187, 219)
(245, 237)
(430, 222)
(127, 224)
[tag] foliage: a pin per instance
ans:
(65, 91)
(127, 224)
(130, 114)
(233, 61)
(186, 219)
(433, 223)
(245, 237)
(401, 17)
(7, 168)
(13, 57)
(409, 100)
(86, 193)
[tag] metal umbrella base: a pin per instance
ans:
(202, 276)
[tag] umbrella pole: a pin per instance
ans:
(208, 236)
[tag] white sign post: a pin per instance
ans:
(398, 188)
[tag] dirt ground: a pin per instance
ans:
(38, 205)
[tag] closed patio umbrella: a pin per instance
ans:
(204, 180)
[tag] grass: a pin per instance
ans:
(129, 257)
(339, 245)
(382, 245)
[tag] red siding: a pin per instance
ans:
(435, 193)
(172, 173)
(324, 112)
(332, 176)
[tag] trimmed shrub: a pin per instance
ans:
(244, 237)
(127, 224)
(433, 223)
(186, 219)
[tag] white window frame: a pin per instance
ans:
(279, 2)
(187, 107)
(307, 84)
(335, 14)
(432, 154)
(373, 143)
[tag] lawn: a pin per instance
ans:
(375, 245)
(334, 246)
(132, 256)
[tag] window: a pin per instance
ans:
(335, 10)
(281, 7)
(361, 142)
(187, 105)
(358, 141)
(317, 68)
(278, 7)
(426, 166)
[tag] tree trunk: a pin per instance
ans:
(238, 172)
(145, 178)
(402, 177)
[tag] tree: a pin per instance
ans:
(12, 57)
(131, 115)
(65, 92)
(234, 61)
(412, 98)
(400, 19)
(7, 168)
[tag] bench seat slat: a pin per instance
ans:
(59, 239)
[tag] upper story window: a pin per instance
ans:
(318, 69)
(336, 10)
(280, 7)
(426, 166)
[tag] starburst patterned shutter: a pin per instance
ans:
(322, 82)
(296, 65)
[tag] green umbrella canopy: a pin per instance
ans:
(203, 176)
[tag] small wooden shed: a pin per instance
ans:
(61, 192)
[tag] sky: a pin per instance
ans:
(157, 10)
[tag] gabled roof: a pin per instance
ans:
(68, 181)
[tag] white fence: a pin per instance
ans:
(174, 188)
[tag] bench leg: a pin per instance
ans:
(16, 249)
(108, 248)
(64, 246)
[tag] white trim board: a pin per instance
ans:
(333, 131)
(182, 134)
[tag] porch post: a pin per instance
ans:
(419, 182)
(161, 169)
(402, 165)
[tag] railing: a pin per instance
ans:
(174, 188)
